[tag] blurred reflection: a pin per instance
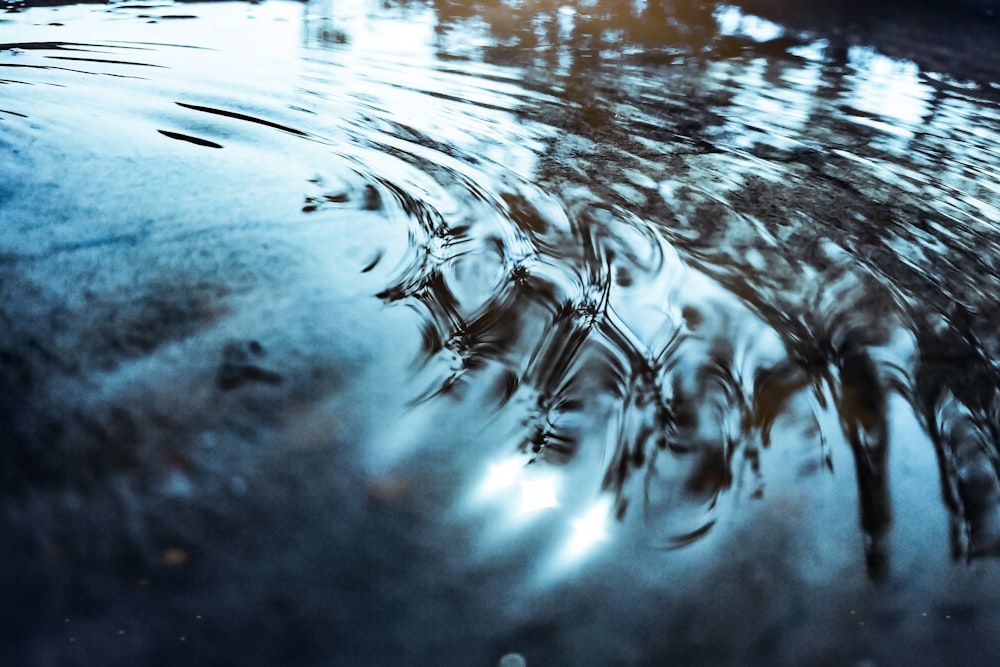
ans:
(652, 246)
(448, 292)
(796, 174)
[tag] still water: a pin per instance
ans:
(545, 333)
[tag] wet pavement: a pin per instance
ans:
(583, 333)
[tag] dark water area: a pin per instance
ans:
(500, 333)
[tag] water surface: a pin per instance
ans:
(598, 333)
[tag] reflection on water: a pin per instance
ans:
(663, 306)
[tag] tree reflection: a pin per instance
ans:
(771, 162)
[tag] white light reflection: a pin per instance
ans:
(732, 21)
(504, 479)
(500, 476)
(587, 533)
(524, 499)
(538, 495)
(588, 530)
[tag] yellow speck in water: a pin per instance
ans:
(121, 632)
(174, 556)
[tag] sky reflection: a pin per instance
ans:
(599, 332)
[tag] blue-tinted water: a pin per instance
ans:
(594, 333)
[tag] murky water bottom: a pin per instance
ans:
(424, 335)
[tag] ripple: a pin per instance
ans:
(569, 296)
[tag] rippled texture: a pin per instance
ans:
(599, 332)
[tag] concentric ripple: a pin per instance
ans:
(511, 288)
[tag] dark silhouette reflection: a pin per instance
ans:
(837, 222)
(273, 311)
(725, 228)
(957, 390)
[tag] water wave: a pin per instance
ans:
(646, 267)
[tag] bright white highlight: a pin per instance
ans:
(500, 476)
(504, 479)
(589, 529)
(538, 495)
(732, 21)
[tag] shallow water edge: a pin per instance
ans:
(433, 332)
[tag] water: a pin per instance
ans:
(594, 333)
